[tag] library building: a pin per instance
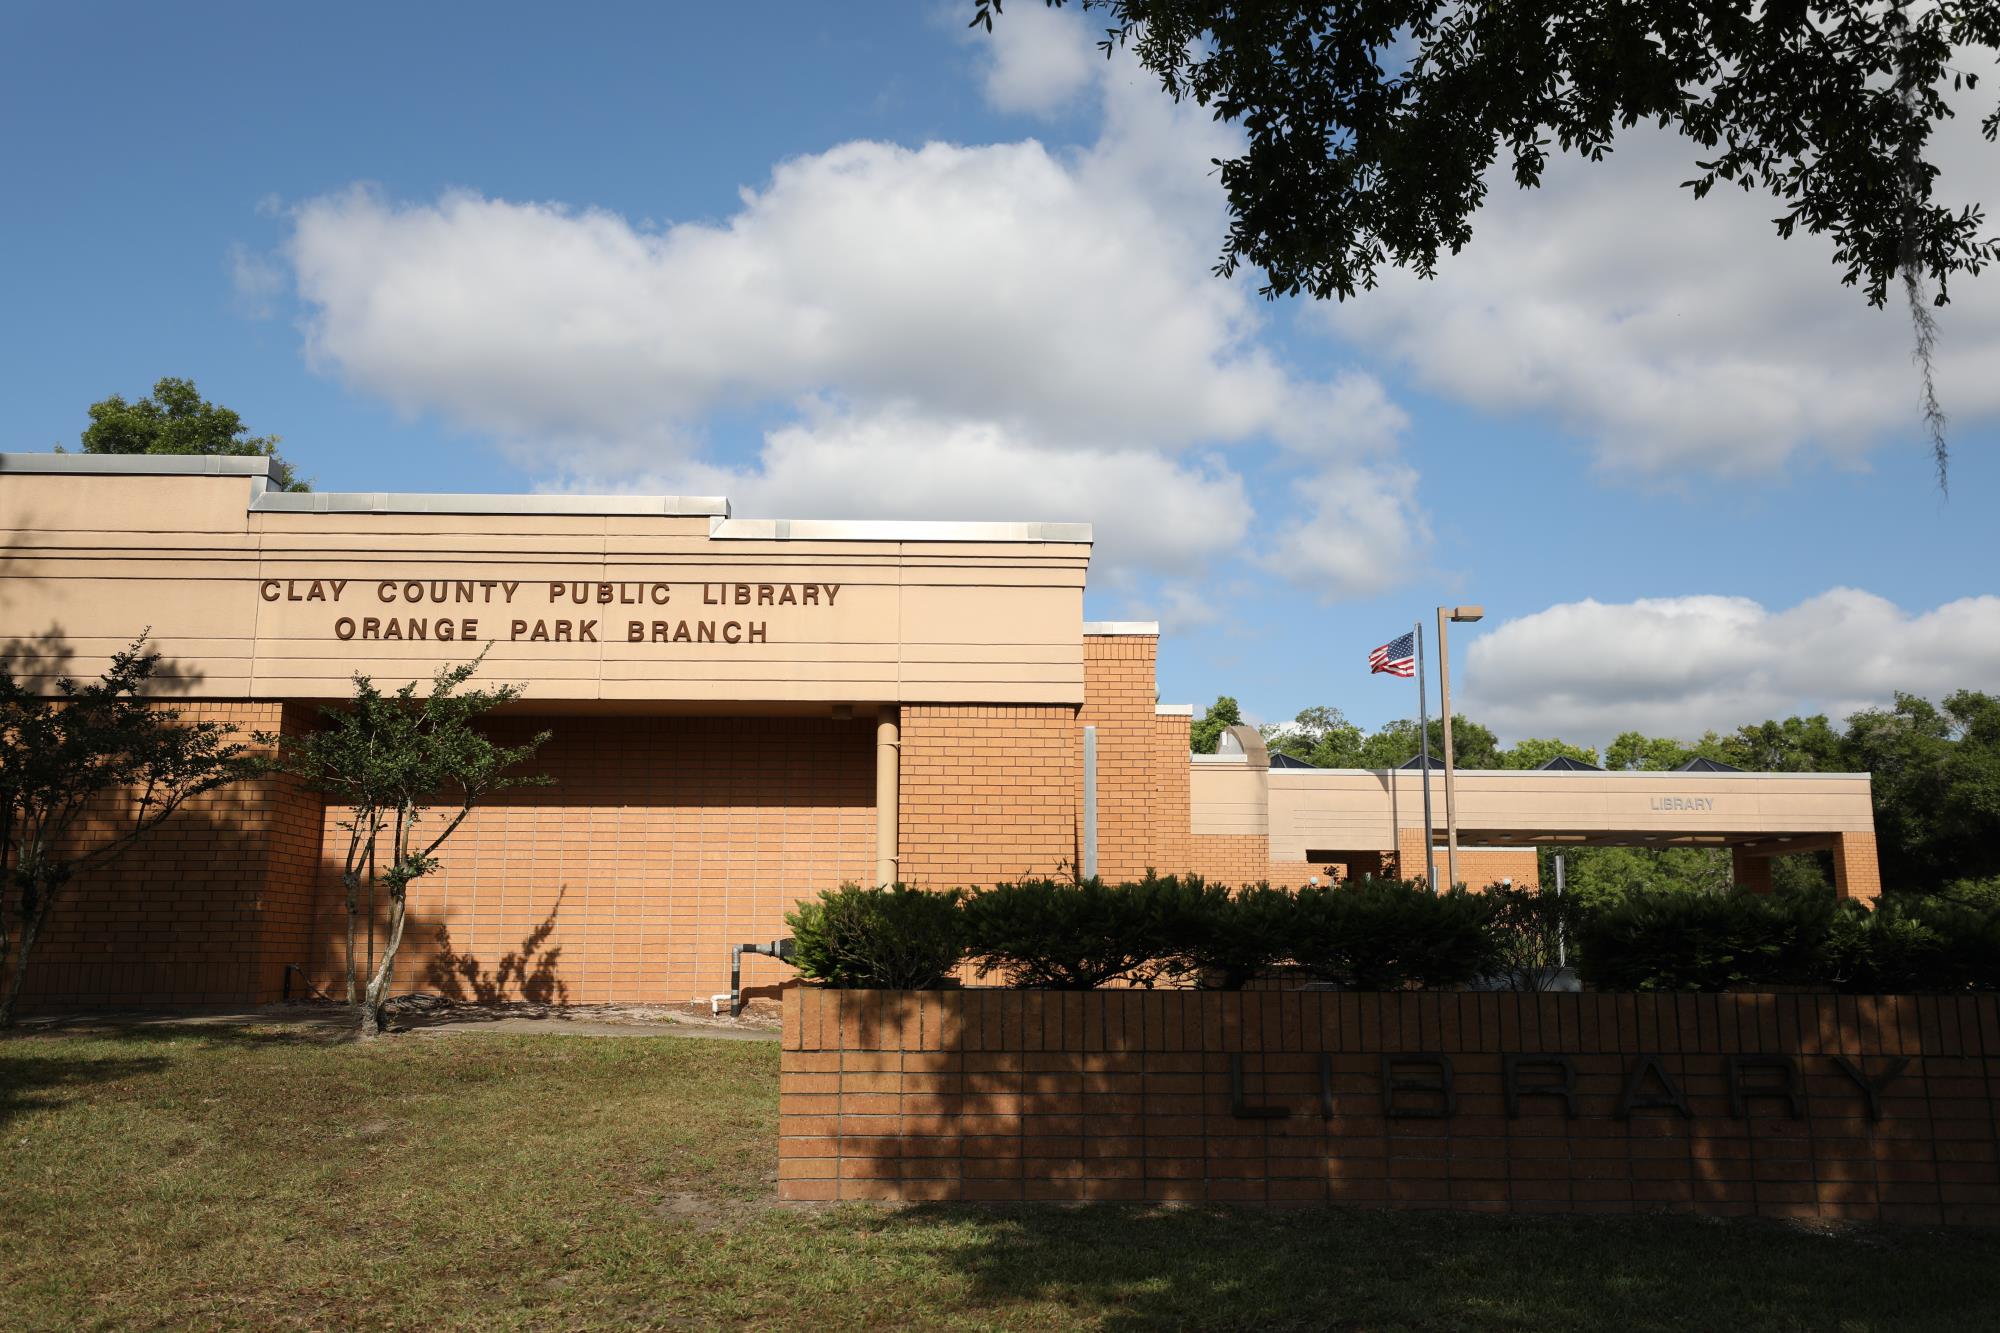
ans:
(743, 712)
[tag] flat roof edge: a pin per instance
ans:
(1173, 710)
(138, 465)
(893, 530)
(1103, 628)
(392, 502)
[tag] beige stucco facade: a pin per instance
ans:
(744, 712)
(254, 594)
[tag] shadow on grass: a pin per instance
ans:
(1130, 1267)
(37, 1082)
(40, 1065)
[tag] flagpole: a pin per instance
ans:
(1424, 750)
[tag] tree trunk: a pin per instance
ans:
(31, 928)
(371, 907)
(378, 984)
(353, 886)
(350, 879)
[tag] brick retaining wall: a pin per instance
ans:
(1712, 1103)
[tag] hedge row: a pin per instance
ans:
(1386, 934)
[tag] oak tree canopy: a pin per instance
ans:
(1370, 125)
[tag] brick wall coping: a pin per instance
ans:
(1358, 1022)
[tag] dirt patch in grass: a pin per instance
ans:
(240, 1178)
(437, 1013)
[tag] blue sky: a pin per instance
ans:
(862, 262)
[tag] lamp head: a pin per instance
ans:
(1468, 613)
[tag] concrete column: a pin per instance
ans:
(888, 774)
(1750, 872)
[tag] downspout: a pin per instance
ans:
(888, 774)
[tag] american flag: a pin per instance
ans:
(1398, 657)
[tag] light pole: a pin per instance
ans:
(1446, 614)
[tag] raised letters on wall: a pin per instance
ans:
(1420, 1086)
(550, 611)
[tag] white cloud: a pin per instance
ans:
(257, 281)
(1676, 333)
(1181, 608)
(989, 281)
(1362, 532)
(1150, 510)
(1041, 60)
(1676, 666)
(1001, 330)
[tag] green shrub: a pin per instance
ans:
(1980, 893)
(1692, 942)
(1222, 939)
(895, 938)
(1385, 934)
(1677, 941)
(1918, 942)
(1972, 957)
(1533, 931)
(1389, 934)
(1072, 934)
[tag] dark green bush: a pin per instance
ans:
(1385, 934)
(1222, 939)
(1972, 955)
(1535, 930)
(895, 938)
(1980, 893)
(1917, 942)
(1678, 941)
(1388, 934)
(1072, 934)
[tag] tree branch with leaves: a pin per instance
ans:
(84, 775)
(410, 768)
(1371, 126)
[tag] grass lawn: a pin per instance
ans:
(260, 1178)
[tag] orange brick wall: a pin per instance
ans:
(1173, 852)
(1127, 1095)
(206, 909)
(1120, 695)
(1235, 859)
(1295, 874)
(987, 792)
(1478, 869)
(664, 841)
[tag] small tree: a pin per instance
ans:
(353, 763)
(403, 762)
(84, 775)
(176, 419)
(1205, 734)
